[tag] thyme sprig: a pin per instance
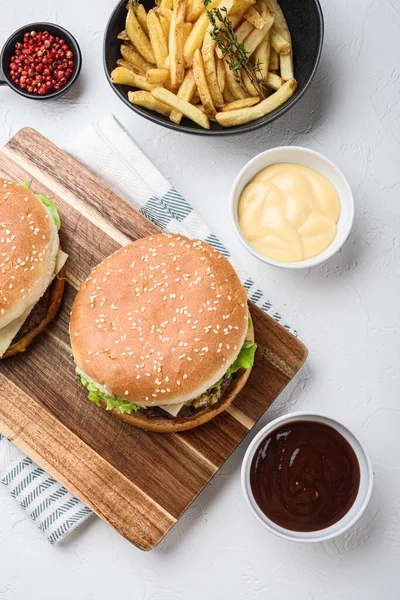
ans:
(234, 51)
(134, 4)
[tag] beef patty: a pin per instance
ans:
(187, 410)
(36, 316)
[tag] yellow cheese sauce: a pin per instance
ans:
(289, 212)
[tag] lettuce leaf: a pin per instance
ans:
(50, 205)
(52, 208)
(112, 402)
(245, 359)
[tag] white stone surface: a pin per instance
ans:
(347, 313)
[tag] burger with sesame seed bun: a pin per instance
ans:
(31, 266)
(161, 334)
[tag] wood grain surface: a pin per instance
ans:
(139, 482)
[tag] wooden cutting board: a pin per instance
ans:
(139, 482)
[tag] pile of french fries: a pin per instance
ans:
(169, 55)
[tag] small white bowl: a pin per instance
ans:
(307, 158)
(360, 503)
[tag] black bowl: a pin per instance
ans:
(9, 50)
(306, 25)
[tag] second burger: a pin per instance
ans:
(161, 334)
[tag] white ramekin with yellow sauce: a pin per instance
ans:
(292, 207)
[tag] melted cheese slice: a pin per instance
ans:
(60, 261)
(172, 409)
(8, 333)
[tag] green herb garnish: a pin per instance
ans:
(234, 52)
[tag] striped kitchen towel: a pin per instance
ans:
(108, 151)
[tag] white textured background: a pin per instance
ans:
(347, 312)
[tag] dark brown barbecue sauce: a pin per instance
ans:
(305, 476)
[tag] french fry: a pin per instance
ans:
(194, 10)
(273, 60)
(165, 24)
(257, 35)
(273, 81)
(245, 115)
(165, 12)
(123, 36)
(124, 76)
(243, 31)
(157, 39)
(235, 88)
(166, 4)
(221, 74)
(281, 26)
(177, 65)
(286, 65)
(165, 16)
(196, 36)
(253, 91)
(186, 92)
(279, 43)
(280, 23)
(131, 67)
(196, 98)
(167, 63)
(142, 17)
(195, 39)
(187, 109)
(203, 110)
(202, 84)
(235, 19)
(187, 28)
(243, 103)
(253, 16)
(285, 60)
(225, 7)
(157, 76)
(138, 37)
(145, 99)
(129, 54)
(210, 68)
(261, 56)
(228, 96)
(239, 5)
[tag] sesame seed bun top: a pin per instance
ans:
(28, 249)
(160, 320)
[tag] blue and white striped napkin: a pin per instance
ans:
(103, 148)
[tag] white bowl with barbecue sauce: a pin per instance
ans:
(306, 477)
(292, 207)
